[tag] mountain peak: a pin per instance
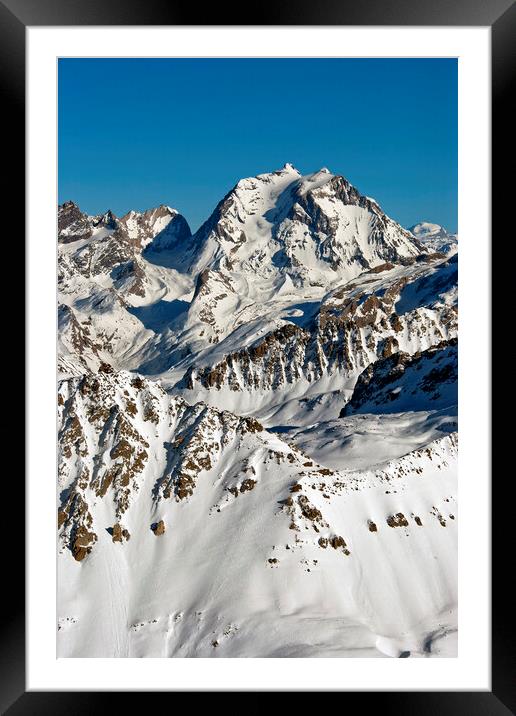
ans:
(434, 236)
(68, 205)
(312, 228)
(108, 220)
(426, 229)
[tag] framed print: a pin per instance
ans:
(267, 402)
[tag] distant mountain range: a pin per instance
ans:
(257, 428)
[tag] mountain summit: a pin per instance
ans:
(311, 229)
(435, 237)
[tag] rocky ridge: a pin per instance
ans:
(353, 327)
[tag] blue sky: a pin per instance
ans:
(135, 133)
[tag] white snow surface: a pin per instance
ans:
(208, 577)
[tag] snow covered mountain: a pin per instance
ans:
(305, 227)
(96, 246)
(435, 237)
(107, 268)
(257, 427)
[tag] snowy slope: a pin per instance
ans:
(263, 553)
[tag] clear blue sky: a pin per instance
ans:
(135, 133)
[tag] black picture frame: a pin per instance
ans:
(500, 15)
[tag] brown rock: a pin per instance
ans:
(61, 517)
(398, 520)
(308, 510)
(337, 542)
(119, 533)
(82, 543)
(158, 528)
(390, 346)
(382, 267)
(396, 322)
